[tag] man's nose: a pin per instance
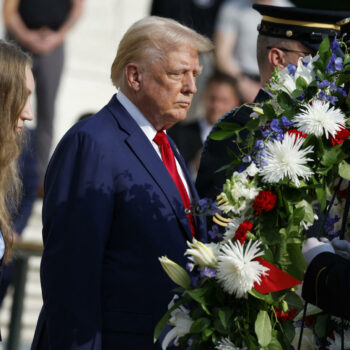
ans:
(189, 84)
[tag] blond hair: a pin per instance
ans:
(150, 39)
(13, 95)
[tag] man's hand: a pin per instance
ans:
(312, 247)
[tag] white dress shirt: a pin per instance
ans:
(149, 130)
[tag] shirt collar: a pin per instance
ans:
(137, 115)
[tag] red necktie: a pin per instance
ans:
(161, 139)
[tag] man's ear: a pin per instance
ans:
(277, 58)
(133, 76)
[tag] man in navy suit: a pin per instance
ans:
(111, 206)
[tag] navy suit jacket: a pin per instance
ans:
(110, 210)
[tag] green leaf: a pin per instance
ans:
(198, 295)
(263, 328)
(207, 333)
(284, 100)
(297, 92)
(321, 196)
(298, 215)
(253, 124)
(200, 325)
(221, 135)
(224, 316)
(297, 262)
(324, 49)
(269, 110)
(265, 297)
(301, 83)
(331, 157)
(308, 210)
(164, 320)
(343, 79)
(344, 170)
(321, 325)
(230, 126)
(289, 330)
(293, 301)
(274, 345)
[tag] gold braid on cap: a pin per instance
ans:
(303, 23)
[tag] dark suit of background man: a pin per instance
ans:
(111, 207)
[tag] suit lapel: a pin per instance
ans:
(144, 151)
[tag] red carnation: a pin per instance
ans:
(297, 133)
(265, 200)
(285, 316)
(341, 135)
(241, 233)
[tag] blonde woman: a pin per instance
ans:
(16, 87)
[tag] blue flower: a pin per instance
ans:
(266, 132)
(207, 272)
(330, 65)
(214, 232)
(275, 125)
(335, 45)
(342, 91)
(247, 159)
(259, 145)
(291, 69)
(323, 84)
(329, 225)
(338, 63)
(332, 99)
(333, 87)
(206, 206)
(279, 136)
(322, 95)
(286, 122)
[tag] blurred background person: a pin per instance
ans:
(235, 39)
(40, 28)
(219, 97)
(16, 86)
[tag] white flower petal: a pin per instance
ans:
(286, 159)
(237, 271)
(319, 119)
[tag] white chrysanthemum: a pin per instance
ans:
(231, 228)
(319, 118)
(226, 344)
(335, 344)
(181, 322)
(236, 270)
(286, 159)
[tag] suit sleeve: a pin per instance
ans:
(77, 217)
(327, 284)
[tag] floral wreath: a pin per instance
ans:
(242, 290)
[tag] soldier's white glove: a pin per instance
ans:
(341, 247)
(312, 247)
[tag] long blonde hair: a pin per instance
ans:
(13, 95)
